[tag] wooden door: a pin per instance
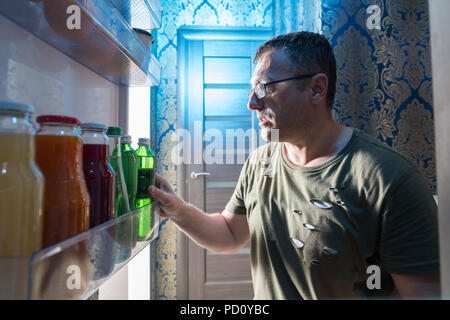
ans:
(216, 89)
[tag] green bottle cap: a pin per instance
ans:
(114, 131)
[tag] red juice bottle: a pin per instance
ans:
(99, 174)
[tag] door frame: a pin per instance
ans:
(184, 35)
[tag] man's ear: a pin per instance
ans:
(319, 88)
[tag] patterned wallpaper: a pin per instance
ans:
(178, 13)
(384, 78)
(384, 75)
(291, 15)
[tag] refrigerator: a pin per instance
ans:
(92, 60)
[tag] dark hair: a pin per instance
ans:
(310, 52)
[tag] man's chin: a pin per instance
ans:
(270, 134)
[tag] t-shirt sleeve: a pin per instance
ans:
(236, 204)
(409, 229)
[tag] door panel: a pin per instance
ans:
(215, 48)
(227, 124)
(225, 102)
(217, 198)
(217, 84)
(228, 70)
(221, 173)
(240, 290)
(234, 138)
(222, 268)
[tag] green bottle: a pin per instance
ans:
(130, 169)
(121, 193)
(124, 162)
(146, 178)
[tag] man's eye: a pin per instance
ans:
(270, 89)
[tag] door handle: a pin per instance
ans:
(195, 174)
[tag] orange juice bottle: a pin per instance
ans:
(59, 155)
(21, 191)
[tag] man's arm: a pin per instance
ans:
(219, 232)
(418, 286)
(409, 247)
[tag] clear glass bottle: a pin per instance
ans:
(99, 174)
(21, 198)
(59, 155)
(126, 231)
(100, 180)
(122, 204)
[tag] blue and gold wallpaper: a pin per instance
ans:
(291, 16)
(383, 54)
(384, 73)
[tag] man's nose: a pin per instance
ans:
(253, 102)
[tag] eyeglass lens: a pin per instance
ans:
(260, 90)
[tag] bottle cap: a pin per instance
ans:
(145, 36)
(94, 125)
(126, 139)
(145, 32)
(114, 131)
(16, 106)
(58, 119)
(144, 142)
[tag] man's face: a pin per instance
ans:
(285, 107)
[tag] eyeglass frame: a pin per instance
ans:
(264, 85)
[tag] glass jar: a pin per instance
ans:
(21, 192)
(59, 155)
(98, 172)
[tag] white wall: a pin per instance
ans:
(139, 114)
(132, 282)
(33, 72)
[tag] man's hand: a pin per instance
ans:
(171, 203)
(219, 232)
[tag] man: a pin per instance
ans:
(327, 209)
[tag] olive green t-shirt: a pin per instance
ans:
(321, 232)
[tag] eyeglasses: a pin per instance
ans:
(260, 88)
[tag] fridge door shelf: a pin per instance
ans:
(76, 267)
(92, 32)
(142, 14)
